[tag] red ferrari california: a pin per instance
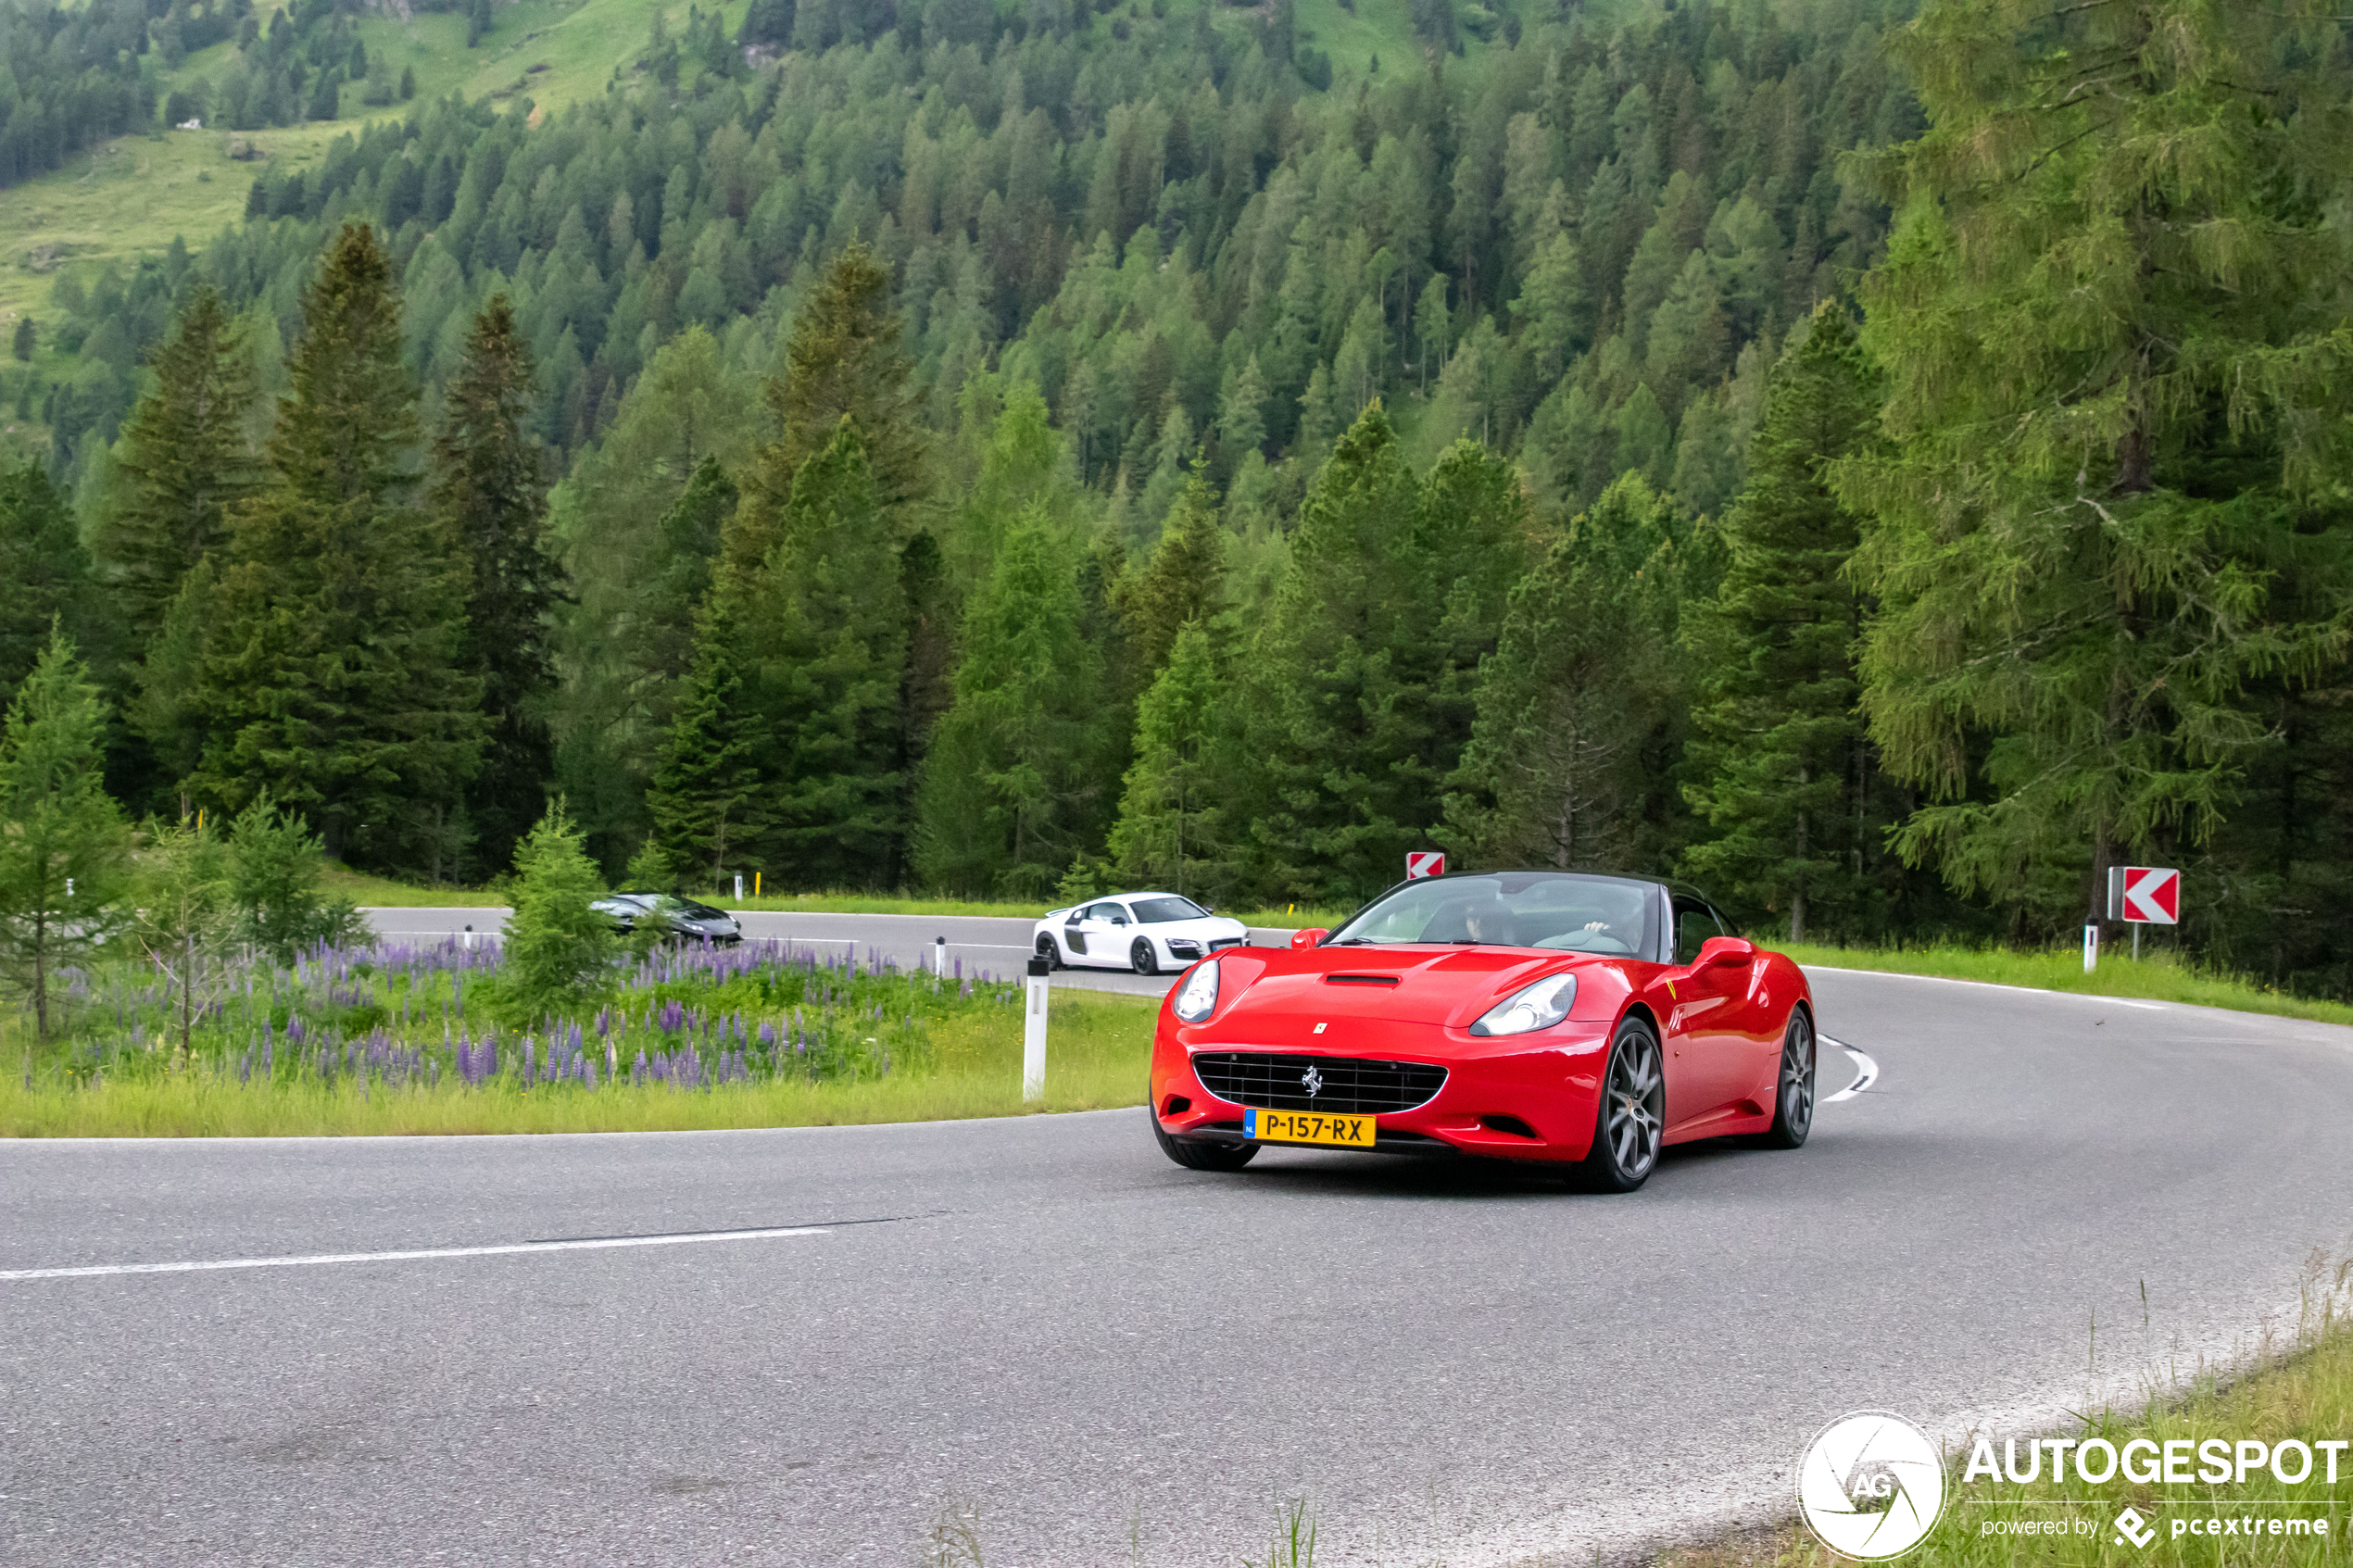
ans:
(1560, 1016)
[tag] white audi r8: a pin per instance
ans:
(1145, 932)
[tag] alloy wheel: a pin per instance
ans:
(1636, 1106)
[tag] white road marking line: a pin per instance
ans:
(1866, 1072)
(685, 1238)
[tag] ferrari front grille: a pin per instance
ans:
(1346, 1085)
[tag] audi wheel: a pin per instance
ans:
(1140, 957)
(1050, 950)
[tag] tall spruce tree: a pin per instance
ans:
(1172, 832)
(1363, 680)
(1183, 584)
(46, 578)
(63, 843)
(488, 491)
(1008, 798)
(187, 460)
(829, 654)
(1563, 768)
(1782, 773)
(707, 797)
(332, 673)
(2111, 318)
(843, 360)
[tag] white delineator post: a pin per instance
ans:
(2091, 946)
(739, 887)
(1033, 1035)
(939, 956)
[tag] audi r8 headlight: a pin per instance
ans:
(1532, 1007)
(1197, 998)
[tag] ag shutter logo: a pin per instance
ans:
(1871, 1485)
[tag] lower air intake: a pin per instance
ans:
(1344, 1084)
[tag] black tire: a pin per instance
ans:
(1140, 959)
(1794, 1084)
(1202, 1154)
(1631, 1119)
(1051, 951)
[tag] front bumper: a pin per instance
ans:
(1532, 1096)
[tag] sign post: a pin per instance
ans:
(2091, 945)
(1033, 1035)
(2144, 896)
(1420, 864)
(939, 957)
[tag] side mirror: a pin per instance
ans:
(1718, 952)
(1310, 936)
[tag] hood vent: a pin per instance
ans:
(1362, 978)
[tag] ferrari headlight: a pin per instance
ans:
(1197, 998)
(1532, 1007)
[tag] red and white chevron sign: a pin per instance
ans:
(2146, 895)
(1424, 863)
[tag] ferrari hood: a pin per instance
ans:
(1398, 985)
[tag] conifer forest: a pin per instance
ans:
(1884, 462)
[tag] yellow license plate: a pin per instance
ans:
(1308, 1127)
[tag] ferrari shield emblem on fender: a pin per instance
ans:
(1313, 1081)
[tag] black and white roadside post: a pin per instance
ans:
(939, 956)
(1033, 1035)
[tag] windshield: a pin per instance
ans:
(1550, 909)
(1153, 912)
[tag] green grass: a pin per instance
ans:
(1098, 1048)
(127, 197)
(362, 888)
(2161, 976)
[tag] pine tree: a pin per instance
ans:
(1006, 799)
(1562, 769)
(331, 673)
(185, 925)
(707, 797)
(488, 492)
(830, 639)
(560, 949)
(1329, 820)
(1171, 830)
(46, 572)
(843, 360)
(1364, 672)
(1782, 771)
(186, 459)
(1184, 583)
(2110, 320)
(63, 845)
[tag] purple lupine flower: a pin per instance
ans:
(638, 1070)
(527, 1044)
(768, 1035)
(296, 1032)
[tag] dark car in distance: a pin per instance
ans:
(677, 918)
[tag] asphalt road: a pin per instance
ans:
(1120, 1363)
(998, 946)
